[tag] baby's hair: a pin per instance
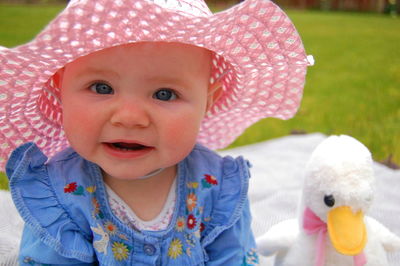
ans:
(215, 90)
(56, 81)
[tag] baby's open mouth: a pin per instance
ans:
(123, 146)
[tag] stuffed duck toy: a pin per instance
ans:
(332, 228)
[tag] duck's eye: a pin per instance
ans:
(329, 200)
(368, 199)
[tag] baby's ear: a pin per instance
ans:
(214, 93)
(58, 77)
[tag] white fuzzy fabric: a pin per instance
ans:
(275, 188)
(340, 167)
(10, 230)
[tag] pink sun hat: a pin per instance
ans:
(258, 57)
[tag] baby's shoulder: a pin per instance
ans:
(203, 161)
(69, 167)
(47, 198)
(30, 158)
(217, 184)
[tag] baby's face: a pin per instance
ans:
(136, 108)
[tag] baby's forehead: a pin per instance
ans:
(151, 55)
(145, 61)
(151, 50)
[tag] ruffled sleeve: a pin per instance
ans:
(50, 236)
(231, 218)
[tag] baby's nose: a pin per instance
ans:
(130, 114)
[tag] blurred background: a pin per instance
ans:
(350, 5)
(380, 6)
(353, 88)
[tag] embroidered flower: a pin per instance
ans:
(251, 258)
(73, 188)
(190, 240)
(180, 224)
(209, 181)
(70, 188)
(175, 248)
(191, 202)
(96, 209)
(192, 185)
(96, 204)
(111, 229)
(91, 189)
(191, 221)
(120, 251)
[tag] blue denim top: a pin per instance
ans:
(69, 221)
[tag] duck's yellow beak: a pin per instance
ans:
(347, 230)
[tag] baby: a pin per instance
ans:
(126, 98)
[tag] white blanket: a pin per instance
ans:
(275, 187)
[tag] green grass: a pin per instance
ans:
(3, 181)
(353, 88)
(20, 23)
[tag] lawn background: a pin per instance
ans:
(352, 89)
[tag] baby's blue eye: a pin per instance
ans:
(101, 88)
(164, 95)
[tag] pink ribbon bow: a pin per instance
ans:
(312, 224)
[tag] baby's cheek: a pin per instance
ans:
(184, 131)
(77, 125)
(178, 141)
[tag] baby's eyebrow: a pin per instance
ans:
(169, 80)
(97, 72)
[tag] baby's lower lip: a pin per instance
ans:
(126, 150)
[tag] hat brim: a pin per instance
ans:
(260, 51)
